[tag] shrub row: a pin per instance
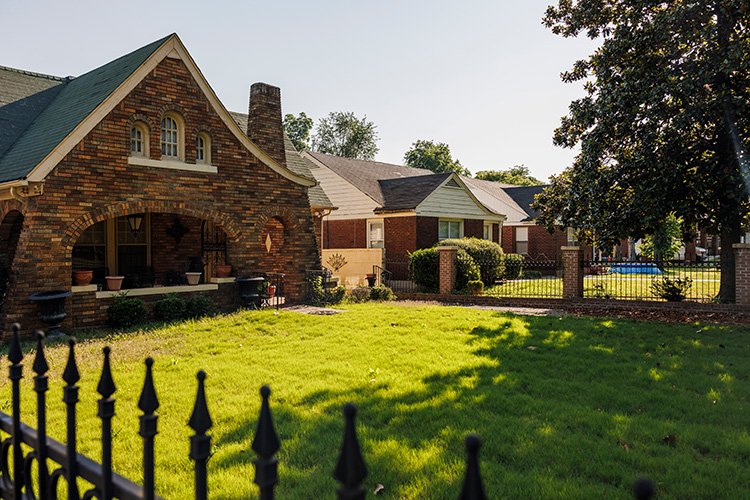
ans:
(363, 294)
(478, 260)
(126, 312)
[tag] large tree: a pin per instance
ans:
(433, 156)
(664, 126)
(518, 175)
(343, 134)
(298, 130)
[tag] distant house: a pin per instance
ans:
(397, 208)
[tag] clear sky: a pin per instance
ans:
(481, 76)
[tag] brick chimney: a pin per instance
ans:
(264, 125)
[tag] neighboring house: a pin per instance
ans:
(134, 169)
(400, 209)
(521, 234)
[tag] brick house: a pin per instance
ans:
(400, 209)
(136, 168)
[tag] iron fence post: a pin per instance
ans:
(40, 386)
(70, 398)
(350, 469)
(200, 443)
(148, 403)
(472, 488)
(15, 355)
(106, 388)
(266, 444)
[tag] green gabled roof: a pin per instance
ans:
(77, 99)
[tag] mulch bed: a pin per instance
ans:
(670, 316)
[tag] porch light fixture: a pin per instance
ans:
(135, 221)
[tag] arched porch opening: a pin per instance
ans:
(10, 232)
(150, 249)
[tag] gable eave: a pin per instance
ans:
(172, 47)
(490, 215)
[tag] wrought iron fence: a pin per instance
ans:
(397, 276)
(20, 482)
(667, 280)
(522, 277)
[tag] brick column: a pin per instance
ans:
(447, 268)
(572, 272)
(742, 273)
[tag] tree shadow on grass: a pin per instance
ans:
(562, 414)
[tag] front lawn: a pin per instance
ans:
(567, 408)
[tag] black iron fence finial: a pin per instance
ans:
(266, 444)
(472, 489)
(200, 443)
(350, 469)
(148, 403)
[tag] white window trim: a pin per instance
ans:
(143, 129)
(460, 228)
(206, 148)
(370, 222)
(180, 136)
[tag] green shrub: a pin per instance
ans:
(423, 269)
(315, 292)
(126, 312)
(672, 290)
(531, 275)
(381, 292)
(466, 269)
(487, 254)
(169, 308)
(359, 295)
(475, 287)
(199, 306)
(513, 266)
(334, 295)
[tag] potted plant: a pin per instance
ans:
(114, 282)
(193, 278)
(82, 278)
(223, 271)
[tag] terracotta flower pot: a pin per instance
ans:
(271, 290)
(82, 278)
(193, 278)
(223, 271)
(114, 282)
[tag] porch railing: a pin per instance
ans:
(21, 482)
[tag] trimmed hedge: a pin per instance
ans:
(424, 269)
(487, 255)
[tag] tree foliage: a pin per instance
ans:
(666, 241)
(298, 129)
(343, 134)
(518, 175)
(663, 127)
(433, 156)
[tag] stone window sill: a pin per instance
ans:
(173, 165)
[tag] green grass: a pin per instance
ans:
(567, 408)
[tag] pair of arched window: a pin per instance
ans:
(171, 140)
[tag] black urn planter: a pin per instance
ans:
(52, 308)
(250, 291)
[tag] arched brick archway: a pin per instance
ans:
(227, 223)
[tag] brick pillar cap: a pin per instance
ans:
(741, 245)
(569, 249)
(446, 247)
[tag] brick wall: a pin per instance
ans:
(473, 228)
(94, 182)
(400, 235)
(427, 231)
(345, 233)
(742, 273)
